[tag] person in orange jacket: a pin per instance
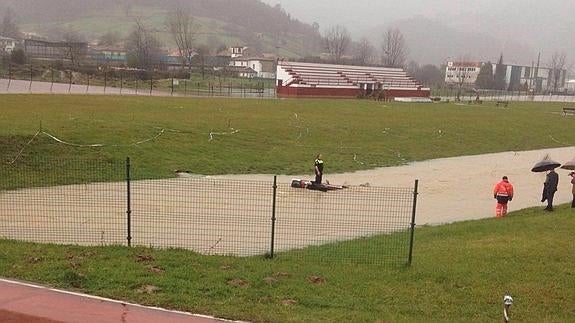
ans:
(503, 193)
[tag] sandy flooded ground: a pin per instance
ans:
(460, 188)
(207, 215)
(232, 214)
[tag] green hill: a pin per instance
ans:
(222, 22)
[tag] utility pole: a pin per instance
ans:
(531, 76)
(537, 70)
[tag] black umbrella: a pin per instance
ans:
(545, 165)
(569, 165)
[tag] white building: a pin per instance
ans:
(264, 67)
(517, 77)
(237, 51)
(462, 72)
(570, 86)
(7, 45)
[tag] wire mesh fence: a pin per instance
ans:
(36, 206)
(109, 203)
(479, 95)
(33, 77)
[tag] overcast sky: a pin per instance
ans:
(362, 14)
(533, 25)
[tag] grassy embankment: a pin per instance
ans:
(460, 273)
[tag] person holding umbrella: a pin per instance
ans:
(549, 189)
(503, 193)
(571, 166)
(551, 181)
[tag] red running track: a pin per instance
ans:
(26, 303)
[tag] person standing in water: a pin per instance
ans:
(318, 169)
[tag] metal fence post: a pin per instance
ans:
(88, 83)
(415, 193)
(9, 75)
(31, 78)
(52, 78)
(128, 202)
(273, 217)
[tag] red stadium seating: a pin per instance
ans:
(310, 79)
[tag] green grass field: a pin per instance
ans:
(271, 136)
(460, 273)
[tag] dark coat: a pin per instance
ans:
(550, 185)
(551, 182)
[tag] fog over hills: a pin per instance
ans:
(451, 28)
(435, 30)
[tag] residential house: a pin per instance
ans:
(263, 67)
(237, 51)
(7, 45)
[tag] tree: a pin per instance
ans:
(485, 77)
(18, 56)
(75, 51)
(200, 59)
(183, 29)
(394, 48)
(557, 66)
(364, 52)
(337, 40)
(9, 27)
(143, 47)
(110, 38)
(499, 82)
(429, 75)
(461, 75)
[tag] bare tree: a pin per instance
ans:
(337, 40)
(9, 27)
(183, 29)
(459, 72)
(76, 49)
(111, 38)
(364, 52)
(394, 48)
(143, 47)
(558, 67)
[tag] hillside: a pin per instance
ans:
(223, 22)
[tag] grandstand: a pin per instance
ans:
(295, 79)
